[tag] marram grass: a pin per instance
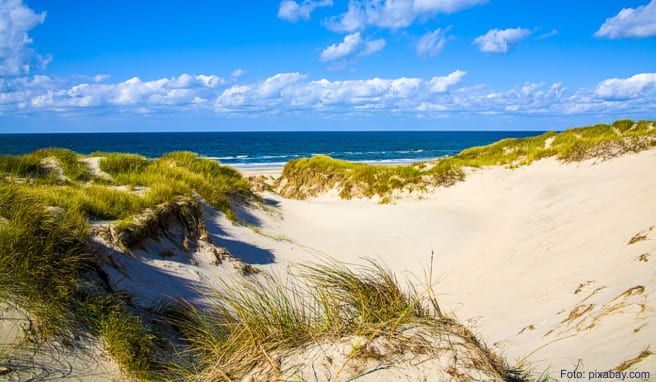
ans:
(308, 177)
(249, 323)
(48, 199)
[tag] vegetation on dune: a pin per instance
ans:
(34, 166)
(41, 256)
(308, 177)
(47, 200)
(177, 174)
(251, 325)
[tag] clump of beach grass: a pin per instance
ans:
(44, 228)
(32, 165)
(178, 174)
(42, 258)
(41, 255)
(130, 342)
(251, 324)
(308, 177)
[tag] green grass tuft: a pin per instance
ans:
(118, 163)
(246, 322)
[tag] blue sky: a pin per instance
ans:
(324, 65)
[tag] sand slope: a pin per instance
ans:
(536, 259)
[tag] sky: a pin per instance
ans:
(112, 66)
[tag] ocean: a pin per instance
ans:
(267, 149)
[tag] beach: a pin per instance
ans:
(534, 264)
(536, 259)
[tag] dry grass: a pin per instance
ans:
(630, 362)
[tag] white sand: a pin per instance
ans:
(83, 360)
(512, 248)
(273, 172)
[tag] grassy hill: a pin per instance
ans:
(308, 177)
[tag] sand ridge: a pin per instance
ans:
(535, 259)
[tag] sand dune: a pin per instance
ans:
(551, 263)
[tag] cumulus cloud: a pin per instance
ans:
(500, 41)
(295, 93)
(430, 44)
(353, 46)
(631, 23)
(292, 11)
(442, 83)
(16, 58)
(639, 85)
(393, 14)
(43, 92)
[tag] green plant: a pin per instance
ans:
(249, 321)
(128, 340)
(41, 254)
(119, 163)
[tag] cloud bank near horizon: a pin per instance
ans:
(296, 93)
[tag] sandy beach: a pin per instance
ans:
(551, 264)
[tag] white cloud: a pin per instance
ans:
(292, 11)
(638, 85)
(16, 58)
(100, 77)
(353, 46)
(293, 93)
(631, 23)
(237, 73)
(275, 85)
(431, 43)
(393, 14)
(548, 34)
(43, 92)
(441, 84)
(444, 6)
(500, 41)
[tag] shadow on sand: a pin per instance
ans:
(246, 252)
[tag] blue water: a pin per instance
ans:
(267, 149)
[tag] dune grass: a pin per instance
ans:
(128, 340)
(250, 324)
(41, 256)
(44, 226)
(31, 165)
(177, 174)
(308, 177)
